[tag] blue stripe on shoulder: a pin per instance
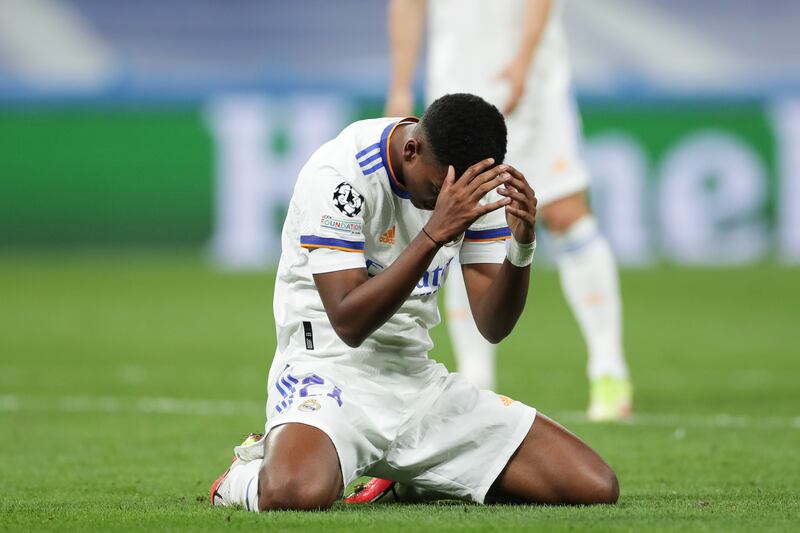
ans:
(367, 150)
(370, 170)
(369, 160)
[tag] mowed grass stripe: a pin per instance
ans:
(201, 407)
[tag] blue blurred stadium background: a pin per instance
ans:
(183, 123)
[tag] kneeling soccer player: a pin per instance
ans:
(376, 217)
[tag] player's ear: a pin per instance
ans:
(411, 149)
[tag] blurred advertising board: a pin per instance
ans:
(691, 183)
(687, 182)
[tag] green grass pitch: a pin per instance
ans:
(125, 380)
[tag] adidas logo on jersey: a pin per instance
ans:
(387, 237)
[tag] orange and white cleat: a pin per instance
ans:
(376, 489)
(218, 491)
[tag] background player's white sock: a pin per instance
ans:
(589, 279)
(474, 355)
(243, 485)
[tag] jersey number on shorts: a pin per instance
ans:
(287, 385)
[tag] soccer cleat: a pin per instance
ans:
(372, 491)
(219, 491)
(610, 399)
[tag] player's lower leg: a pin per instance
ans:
(553, 466)
(300, 471)
(239, 484)
(475, 356)
(590, 283)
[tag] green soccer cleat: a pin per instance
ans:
(610, 399)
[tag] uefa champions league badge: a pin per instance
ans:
(309, 406)
(347, 199)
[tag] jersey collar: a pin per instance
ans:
(386, 139)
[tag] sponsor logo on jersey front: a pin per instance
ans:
(347, 199)
(430, 282)
(340, 225)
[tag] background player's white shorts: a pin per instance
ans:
(426, 427)
(544, 138)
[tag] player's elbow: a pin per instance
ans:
(352, 341)
(350, 336)
(493, 328)
(493, 339)
(493, 335)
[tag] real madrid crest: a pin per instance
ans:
(310, 405)
(347, 199)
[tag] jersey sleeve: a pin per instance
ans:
(485, 240)
(333, 224)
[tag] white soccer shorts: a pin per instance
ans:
(544, 138)
(427, 427)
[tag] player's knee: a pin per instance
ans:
(562, 214)
(605, 488)
(293, 492)
(613, 489)
(561, 222)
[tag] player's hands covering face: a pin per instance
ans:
(521, 212)
(458, 204)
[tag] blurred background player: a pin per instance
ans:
(513, 53)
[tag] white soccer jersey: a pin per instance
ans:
(348, 211)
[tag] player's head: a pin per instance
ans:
(457, 129)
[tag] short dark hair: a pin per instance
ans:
(463, 129)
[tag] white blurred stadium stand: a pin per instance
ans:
(192, 48)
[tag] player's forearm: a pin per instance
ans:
(535, 19)
(406, 25)
(502, 302)
(369, 305)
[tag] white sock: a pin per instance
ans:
(475, 356)
(243, 485)
(589, 279)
